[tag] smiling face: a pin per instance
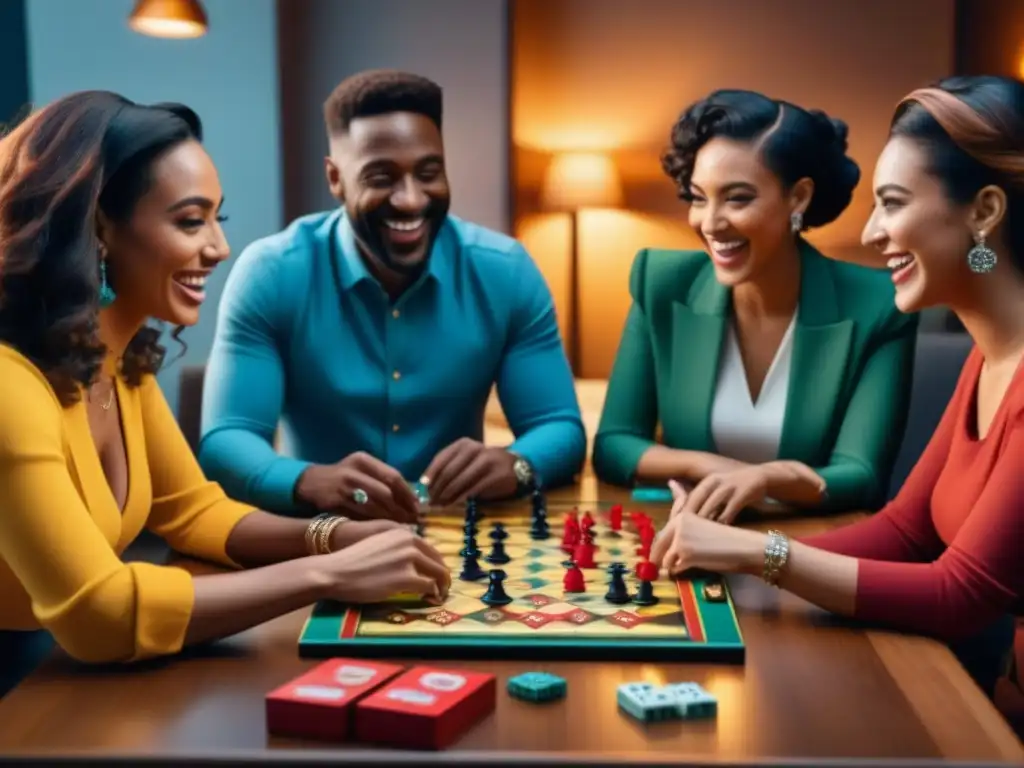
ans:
(162, 255)
(389, 173)
(740, 209)
(922, 234)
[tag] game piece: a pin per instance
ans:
(653, 495)
(570, 533)
(584, 553)
(471, 570)
(676, 701)
(498, 556)
(646, 573)
(693, 701)
(714, 592)
(472, 510)
(425, 708)
(647, 703)
(470, 548)
(587, 522)
(539, 530)
(615, 518)
(647, 534)
(617, 592)
(495, 594)
(318, 704)
(573, 580)
(537, 687)
(544, 619)
(539, 503)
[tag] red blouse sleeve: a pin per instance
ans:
(977, 579)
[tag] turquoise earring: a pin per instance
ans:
(107, 294)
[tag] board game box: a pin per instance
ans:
(516, 575)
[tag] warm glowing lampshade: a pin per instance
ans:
(169, 18)
(581, 180)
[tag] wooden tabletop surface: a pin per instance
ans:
(811, 689)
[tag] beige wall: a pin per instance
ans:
(613, 76)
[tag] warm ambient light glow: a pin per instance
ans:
(169, 18)
(581, 180)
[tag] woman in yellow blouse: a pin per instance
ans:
(109, 216)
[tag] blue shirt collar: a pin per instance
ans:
(354, 270)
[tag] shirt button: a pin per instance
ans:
(395, 313)
(394, 427)
(396, 375)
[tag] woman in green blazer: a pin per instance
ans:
(778, 377)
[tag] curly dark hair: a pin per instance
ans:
(798, 143)
(380, 92)
(88, 152)
(972, 131)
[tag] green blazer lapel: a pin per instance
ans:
(697, 331)
(821, 350)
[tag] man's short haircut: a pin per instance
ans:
(381, 92)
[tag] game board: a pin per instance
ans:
(694, 619)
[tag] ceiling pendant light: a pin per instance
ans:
(169, 18)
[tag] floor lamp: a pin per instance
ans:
(574, 181)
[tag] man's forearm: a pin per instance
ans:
(249, 469)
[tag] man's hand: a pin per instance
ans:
(361, 486)
(468, 469)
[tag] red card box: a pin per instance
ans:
(425, 708)
(319, 703)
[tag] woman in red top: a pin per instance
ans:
(946, 556)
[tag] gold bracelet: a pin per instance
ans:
(313, 528)
(323, 543)
(776, 555)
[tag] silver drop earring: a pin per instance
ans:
(981, 259)
(796, 221)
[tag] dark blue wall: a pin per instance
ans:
(13, 60)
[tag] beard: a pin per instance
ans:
(372, 234)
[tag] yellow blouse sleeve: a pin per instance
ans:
(98, 608)
(192, 514)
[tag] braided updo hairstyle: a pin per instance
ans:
(797, 144)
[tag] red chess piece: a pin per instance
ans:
(587, 521)
(573, 580)
(584, 555)
(570, 534)
(646, 570)
(615, 517)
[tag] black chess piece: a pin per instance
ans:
(645, 594)
(498, 532)
(617, 591)
(472, 510)
(471, 570)
(495, 594)
(540, 529)
(470, 548)
(498, 555)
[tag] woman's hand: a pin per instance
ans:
(721, 496)
(691, 541)
(383, 565)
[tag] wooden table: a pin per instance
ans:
(813, 690)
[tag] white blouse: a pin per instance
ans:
(742, 429)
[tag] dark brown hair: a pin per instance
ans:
(86, 152)
(972, 130)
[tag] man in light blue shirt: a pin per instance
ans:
(377, 331)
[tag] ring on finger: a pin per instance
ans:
(359, 496)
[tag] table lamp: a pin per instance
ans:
(574, 181)
(169, 18)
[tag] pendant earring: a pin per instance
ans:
(107, 294)
(981, 259)
(796, 221)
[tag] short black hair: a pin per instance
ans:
(965, 160)
(381, 92)
(799, 143)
